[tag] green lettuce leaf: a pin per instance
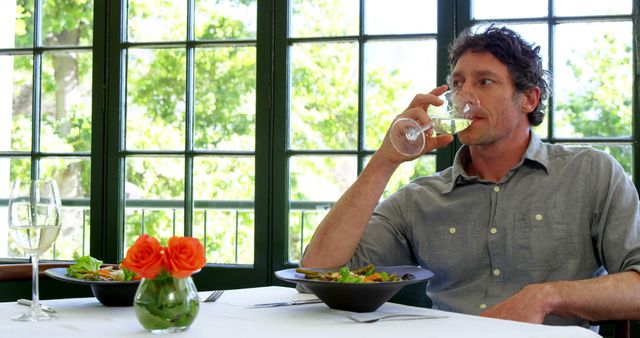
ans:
(84, 265)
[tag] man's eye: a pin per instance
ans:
(455, 84)
(486, 82)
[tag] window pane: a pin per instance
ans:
(321, 178)
(16, 87)
(67, 23)
(591, 7)
(156, 99)
(500, 9)
(154, 197)
(228, 235)
(226, 19)
(224, 178)
(73, 176)
(302, 225)
(409, 171)
(10, 170)
(324, 96)
(593, 79)
(66, 102)
(395, 72)
(315, 182)
(161, 223)
(324, 17)
(401, 17)
(225, 98)
(161, 20)
(16, 23)
(72, 241)
(155, 178)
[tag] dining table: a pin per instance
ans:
(234, 315)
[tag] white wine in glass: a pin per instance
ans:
(453, 116)
(34, 223)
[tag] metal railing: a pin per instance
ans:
(235, 208)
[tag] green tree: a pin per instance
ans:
(225, 80)
(601, 103)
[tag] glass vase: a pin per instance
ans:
(166, 304)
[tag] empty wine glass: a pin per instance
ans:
(34, 223)
(454, 115)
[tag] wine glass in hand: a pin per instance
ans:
(454, 115)
(34, 222)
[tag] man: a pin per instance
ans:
(516, 228)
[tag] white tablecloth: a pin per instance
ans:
(232, 316)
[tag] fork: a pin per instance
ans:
(213, 296)
(372, 318)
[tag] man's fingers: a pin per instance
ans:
(424, 100)
(439, 141)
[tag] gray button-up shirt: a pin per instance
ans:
(562, 213)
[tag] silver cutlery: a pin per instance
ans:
(291, 302)
(213, 296)
(373, 317)
(45, 308)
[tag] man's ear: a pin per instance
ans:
(530, 99)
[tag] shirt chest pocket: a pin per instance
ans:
(540, 239)
(451, 250)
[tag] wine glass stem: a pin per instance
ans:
(35, 301)
(412, 134)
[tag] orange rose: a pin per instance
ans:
(184, 255)
(145, 257)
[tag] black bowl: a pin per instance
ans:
(115, 294)
(109, 293)
(357, 297)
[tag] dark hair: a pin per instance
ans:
(521, 58)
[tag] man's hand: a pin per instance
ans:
(531, 305)
(417, 111)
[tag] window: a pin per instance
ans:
(351, 71)
(45, 104)
(589, 48)
(189, 150)
(240, 122)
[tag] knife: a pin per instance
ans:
(291, 302)
(45, 308)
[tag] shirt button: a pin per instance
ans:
(493, 230)
(496, 272)
(496, 188)
(538, 217)
(452, 230)
(483, 306)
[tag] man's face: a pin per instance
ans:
(500, 113)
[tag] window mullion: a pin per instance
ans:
(189, 121)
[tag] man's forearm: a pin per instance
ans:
(337, 236)
(615, 296)
(611, 297)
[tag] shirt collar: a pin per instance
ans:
(535, 156)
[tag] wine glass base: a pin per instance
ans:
(406, 137)
(34, 316)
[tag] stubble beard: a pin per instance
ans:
(480, 137)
